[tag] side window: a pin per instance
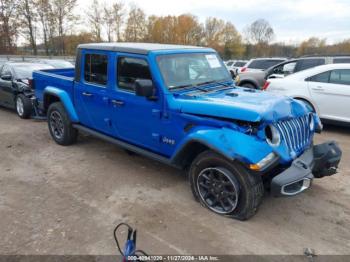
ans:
(289, 68)
(341, 60)
(129, 69)
(95, 69)
(341, 76)
(303, 64)
(239, 64)
(320, 78)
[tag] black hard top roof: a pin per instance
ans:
(137, 48)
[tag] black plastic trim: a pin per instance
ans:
(316, 162)
(126, 145)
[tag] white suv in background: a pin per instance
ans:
(325, 89)
(235, 66)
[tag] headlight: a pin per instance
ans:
(311, 121)
(273, 137)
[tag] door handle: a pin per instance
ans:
(318, 88)
(117, 102)
(86, 94)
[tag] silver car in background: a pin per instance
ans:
(252, 75)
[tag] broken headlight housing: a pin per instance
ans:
(273, 136)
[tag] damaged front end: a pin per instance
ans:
(316, 162)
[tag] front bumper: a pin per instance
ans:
(316, 162)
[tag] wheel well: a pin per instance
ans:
(188, 153)
(49, 99)
(248, 82)
(307, 101)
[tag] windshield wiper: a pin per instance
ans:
(219, 83)
(197, 86)
(188, 87)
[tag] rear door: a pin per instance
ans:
(331, 91)
(91, 92)
(6, 88)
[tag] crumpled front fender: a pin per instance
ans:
(228, 142)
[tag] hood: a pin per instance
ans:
(241, 104)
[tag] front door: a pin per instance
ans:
(331, 92)
(135, 119)
(91, 92)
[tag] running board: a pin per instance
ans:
(125, 145)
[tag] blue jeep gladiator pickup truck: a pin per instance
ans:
(178, 105)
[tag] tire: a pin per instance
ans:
(248, 85)
(240, 192)
(24, 106)
(60, 126)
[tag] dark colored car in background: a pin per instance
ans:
(15, 89)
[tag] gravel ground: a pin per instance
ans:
(67, 200)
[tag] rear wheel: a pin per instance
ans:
(60, 126)
(23, 106)
(225, 187)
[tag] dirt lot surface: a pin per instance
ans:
(67, 200)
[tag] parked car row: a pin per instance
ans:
(256, 71)
(319, 81)
(15, 83)
(324, 89)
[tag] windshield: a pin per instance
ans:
(185, 70)
(24, 71)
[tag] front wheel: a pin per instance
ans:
(225, 187)
(23, 106)
(60, 126)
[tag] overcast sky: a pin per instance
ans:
(292, 20)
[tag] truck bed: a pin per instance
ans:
(61, 78)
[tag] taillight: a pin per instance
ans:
(31, 83)
(266, 85)
(243, 69)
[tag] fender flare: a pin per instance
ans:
(64, 98)
(307, 99)
(230, 143)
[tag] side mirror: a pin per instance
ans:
(6, 77)
(145, 88)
